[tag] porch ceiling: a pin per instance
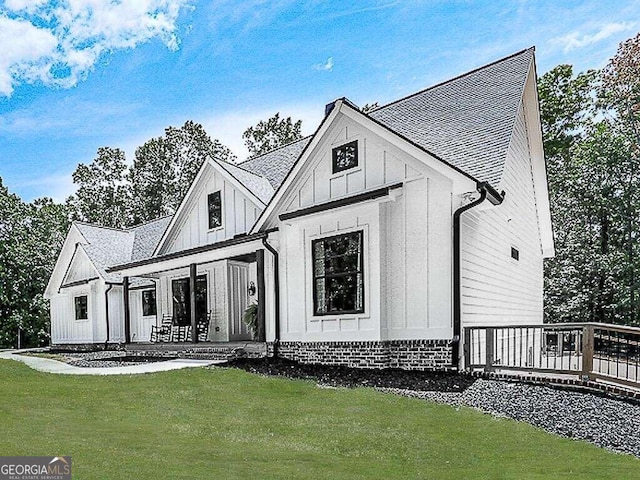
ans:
(227, 249)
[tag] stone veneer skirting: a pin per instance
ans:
(405, 354)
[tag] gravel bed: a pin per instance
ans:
(95, 359)
(607, 422)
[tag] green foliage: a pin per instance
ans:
(250, 318)
(114, 195)
(31, 236)
(102, 197)
(224, 423)
(594, 185)
(164, 168)
(369, 107)
(270, 134)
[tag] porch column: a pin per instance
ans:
(260, 327)
(127, 310)
(192, 301)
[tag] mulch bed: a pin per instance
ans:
(356, 377)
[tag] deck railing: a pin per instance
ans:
(591, 351)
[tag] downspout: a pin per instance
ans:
(495, 198)
(276, 280)
(106, 312)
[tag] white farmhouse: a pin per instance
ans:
(370, 243)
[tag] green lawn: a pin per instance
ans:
(217, 423)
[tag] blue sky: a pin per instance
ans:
(76, 75)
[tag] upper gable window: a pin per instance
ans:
(345, 156)
(214, 203)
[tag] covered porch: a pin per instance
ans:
(200, 295)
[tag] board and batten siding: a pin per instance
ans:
(416, 269)
(217, 297)
(379, 164)
(81, 268)
(407, 243)
(495, 287)
(192, 228)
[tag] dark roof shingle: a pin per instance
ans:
(276, 164)
(466, 121)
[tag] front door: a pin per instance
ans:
(238, 300)
(182, 303)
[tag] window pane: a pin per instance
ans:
(338, 279)
(214, 203)
(81, 307)
(148, 303)
(345, 157)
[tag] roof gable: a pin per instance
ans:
(81, 268)
(466, 121)
(276, 164)
(411, 153)
(241, 193)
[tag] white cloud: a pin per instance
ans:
(59, 42)
(58, 186)
(229, 127)
(575, 40)
(326, 66)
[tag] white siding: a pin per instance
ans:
(192, 228)
(116, 315)
(297, 317)
(379, 164)
(407, 243)
(81, 268)
(417, 263)
(64, 326)
(217, 301)
(495, 287)
(140, 325)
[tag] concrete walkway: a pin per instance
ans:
(53, 366)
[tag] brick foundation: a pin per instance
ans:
(405, 354)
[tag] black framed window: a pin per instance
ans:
(214, 206)
(338, 275)
(149, 303)
(515, 253)
(81, 307)
(345, 156)
(180, 289)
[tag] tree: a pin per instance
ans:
(370, 107)
(164, 168)
(593, 188)
(103, 196)
(31, 236)
(272, 133)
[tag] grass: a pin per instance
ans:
(219, 423)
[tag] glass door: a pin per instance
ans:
(182, 302)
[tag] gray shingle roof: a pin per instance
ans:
(256, 184)
(466, 121)
(276, 164)
(107, 247)
(147, 236)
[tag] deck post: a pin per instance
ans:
(192, 301)
(260, 327)
(587, 352)
(488, 363)
(466, 336)
(127, 310)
